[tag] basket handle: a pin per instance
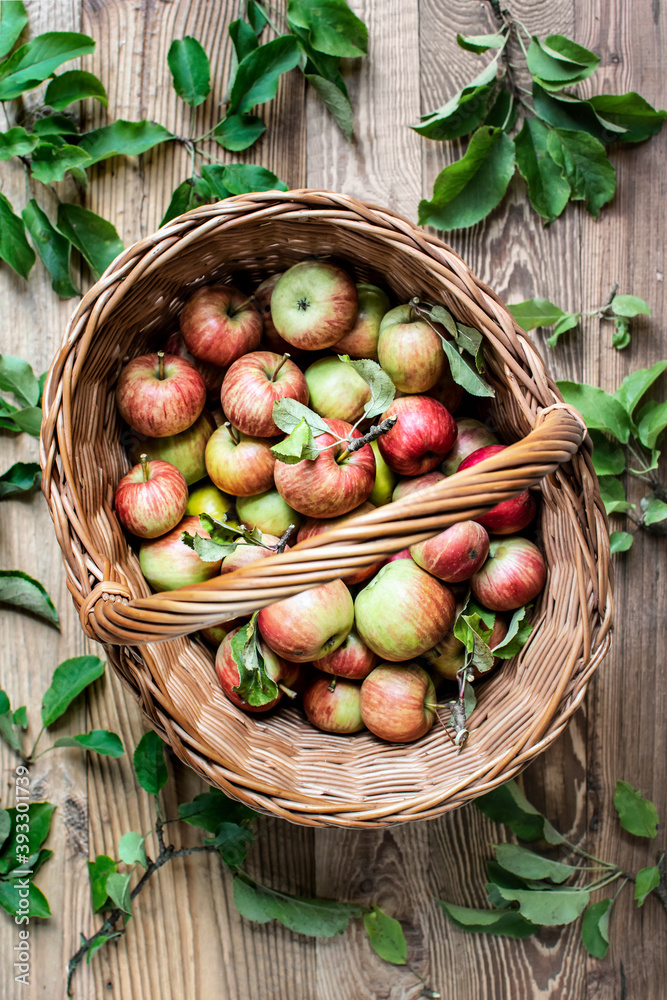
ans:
(109, 614)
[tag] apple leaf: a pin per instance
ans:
(287, 413)
(223, 538)
(528, 865)
(69, 679)
(98, 740)
(13, 19)
(256, 79)
(507, 804)
(118, 888)
(233, 841)
(473, 633)
(629, 306)
(646, 881)
(207, 549)
(255, 686)
(209, 810)
(518, 633)
(98, 870)
(28, 594)
(297, 446)
(53, 249)
(16, 142)
(506, 923)
(386, 936)
(313, 917)
(132, 849)
(595, 928)
(74, 85)
(190, 70)
(238, 132)
(636, 814)
(149, 763)
(14, 247)
(382, 388)
(620, 541)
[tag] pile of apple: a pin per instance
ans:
(367, 650)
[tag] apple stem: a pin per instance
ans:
(144, 467)
(283, 540)
(279, 366)
(372, 434)
(160, 367)
(288, 691)
(332, 686)
(233, 433)
(236, 309)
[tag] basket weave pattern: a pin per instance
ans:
(280, 764)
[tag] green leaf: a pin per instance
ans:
(9, 733)
(595, 928)
(5, 826)
(190, 69)
(471, 631)
(504, 111)
(584, 164)
(612, 493)
(287, 413)
(636, 814)
(4, 702)
(98, 740)
(14, 247)
(558, 62)
(96, 239)
(518, 633)
(118, 888)
(257, 76)
(24, 592)
(55, 125)
(256, 16)
(214, 174)
(297, 446)
(506, 923)
(463, 373)
(69, 679)
(634, 385)
(17, 376)
(651, 422)
(570, 112)
(210, 809)
(600, 410)
(50, 163)
(465, 111)
(242, 178)
(551, 907)
(38, 905)
(16, 142)
(98, 870)
(608, 457)
(53, 249)
(629, 305)
(238, 132)
(507, 804)
(646, 881)
(193, 192)
(621, 337)
(74, 85)
(255, 685)
(37, 818)
(548, 190)
(29, 419)
(20, 717)
(465, 192)
(382, 388)
(536, 312)
(31, 864)
(13, 19)
(243, 38)
(122, 138)
(565, 323)
(631, 112)
(98, 943)
(332, 27)
(132, 849)
(620, 541)
(655, 511)
(337, 103)
(481, 43)
(313, 917)
(37, 59)
(386, 936)
(149, 763)
(233, 842)
(520, 861)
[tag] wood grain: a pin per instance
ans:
(187, 939)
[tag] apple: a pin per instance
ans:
(318, 525)
(335, 482)
(423, 434)
(216, 633)
(239, 464)
(160, 394)
(151, 499)
(362, 340)
(403, 554)
(513, 574)
(185, 450)
(447, 391)
(385, 480)
(167, 562)
(410, 351)
(448, 657)
(219, 324)
(208, 499)
(336, 390)
(471, 436)
(211, 374)
(414, 484)
(353, 659)
(398, 702)
(314, 304)
(270, 337)
(403, 611)
(510, 515)
(332, 704)
(246, 552)
(268, 512)
(253, 384)
(310, 624)
(228, 673)
(454, 555)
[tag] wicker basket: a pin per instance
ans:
(280, 764)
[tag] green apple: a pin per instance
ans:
(336, 390)
(268, 512)
(410, 351)
(385, 479)
(362, 340)
(185, 450)
(208, 499)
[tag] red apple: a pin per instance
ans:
(424, 433)
(513, 574)
(211, 374)
(274, 342)
(510, 515)
(160, 394)
(410, 351)
(398, 702)
(151, 499)
(447, 391)
(353, 659)
(403, 611)
(185, 450)
(314, 304)
(448, 657)
(239, 464)
(414, 484)
(317, 525)
(310, 624)
(246, 553)
(403, 554)
(335, 482)
(219, 324)
(332, 704)
(362, 340)
(228, 673)
(454, 555)
(471, 435)
(253, 384)
(167, 562)
(336, 390)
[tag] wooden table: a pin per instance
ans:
(187, 940)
